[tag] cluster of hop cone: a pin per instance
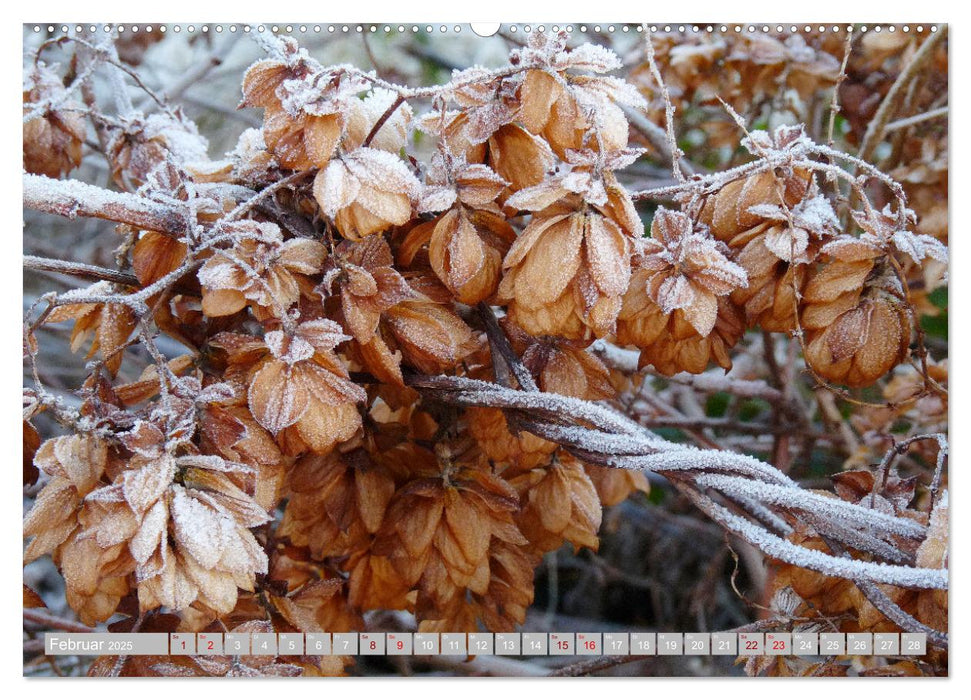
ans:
(283, 468)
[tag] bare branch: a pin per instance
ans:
(71, 199)
(877, 126)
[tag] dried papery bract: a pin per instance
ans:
(298, 388)
(467, 242)
(262, 270)
(108, 324)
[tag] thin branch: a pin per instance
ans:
(383, 119)
(33, 262)
(676, 154)
(877, 126)
(834, 107)
(48, 621)
(916, 119)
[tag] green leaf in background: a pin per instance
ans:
(936, 326)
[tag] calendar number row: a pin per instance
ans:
(486, 644)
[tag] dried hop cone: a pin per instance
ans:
(149, 142)
(566, 273)
(855, 334)
(366, 191)
(306, 109)
(773, 224)
(53, 138)
(260, 270)
(564, 106)
(676, 308)
(299, 388)
(466, 244)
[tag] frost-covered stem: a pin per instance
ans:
(616, 441)
(834, 106)
(779, 548)
(33, 262)
(781, 428)
(71, 199)
(215, 235)
(657, 136)
(163, 283)
(471, 392)
(275, 48)
(119, 89)
(875, 129)
(901, 447)
(893, 612)
(626, 361)
(676, 153)
(707, 184)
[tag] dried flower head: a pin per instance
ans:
(53, 139)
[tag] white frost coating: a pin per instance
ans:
(853, 569)
(756, 486)
(801, 499)
(688, 458)
(72, 198)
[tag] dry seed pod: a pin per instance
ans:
(109, 326)
(298, 387)
(676, 309)
(466, 243)
(53, 139)
(335, 502)
(305, 112)
(727, 212)
(261, 270)
(148, 142)
(670, 342)
(862, 344)
(520, 158)
(857, 325)
(560, 504)
(566, 273)
(441, 531)
(75, 464)
(772, 241)
(491, 432)
(366, 191)
(567, 108)
(770, 298)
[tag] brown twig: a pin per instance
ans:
(383, 118)
(916, 119)
(834, 105)
(48, 621)
(599, 663)
(877, 126)
(71, 199)
(677, 168)
(33, 262)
